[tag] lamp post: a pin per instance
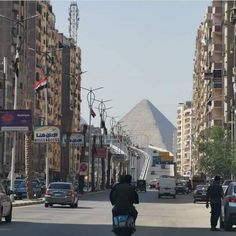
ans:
(90, 100)
(18, 23)
(102, 111)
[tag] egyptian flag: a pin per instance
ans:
(41, 84)
(93, 114)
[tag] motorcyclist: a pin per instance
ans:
(123, 196)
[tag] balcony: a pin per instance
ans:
(217, 29)
(216, 11)
(217, 47)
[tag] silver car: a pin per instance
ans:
(5, 204)
(228, 210)
(62, 193)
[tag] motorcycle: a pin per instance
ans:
(123, 225)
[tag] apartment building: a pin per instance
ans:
(70, 99)
(42, 56)
(213, 72)
(184, 150)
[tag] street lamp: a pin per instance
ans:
(90, 100)
(18, 23)
(102, 111)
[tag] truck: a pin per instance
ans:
(167, 186)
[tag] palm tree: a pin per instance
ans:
(28, 165)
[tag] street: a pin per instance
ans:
(162, 217)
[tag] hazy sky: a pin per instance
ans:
(136, 50)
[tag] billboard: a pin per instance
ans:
(74, 139)
(15, 120)
(47, 134)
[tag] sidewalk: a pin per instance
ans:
(27, 202)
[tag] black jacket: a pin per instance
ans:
(214, 193)
(123, 196)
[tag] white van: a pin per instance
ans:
(167, 186)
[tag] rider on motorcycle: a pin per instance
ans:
(123, 196)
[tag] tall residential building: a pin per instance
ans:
(212, 79)
(184, 140)
(42, 56)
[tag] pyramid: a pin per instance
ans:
(146, 125)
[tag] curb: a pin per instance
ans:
(27, 203)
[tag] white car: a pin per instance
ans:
(5, 204)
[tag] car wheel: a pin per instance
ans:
(8, 218)
(174, 196)
(46, 204)
(50, 204)
(76, 205)
(72, 205)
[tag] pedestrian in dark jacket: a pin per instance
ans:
(123, 196)
(214, 196)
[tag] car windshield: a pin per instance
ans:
(60, 186)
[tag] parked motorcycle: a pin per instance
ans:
(123, 225)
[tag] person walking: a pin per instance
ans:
(214, 196)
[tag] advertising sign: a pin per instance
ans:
(74, 139)
(15, 120)
(101, 152)
(47, 134)
(83, 169)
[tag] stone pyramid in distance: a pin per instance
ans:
(146, 125)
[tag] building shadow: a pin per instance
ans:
(50, 229)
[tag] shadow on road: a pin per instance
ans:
(49, 229)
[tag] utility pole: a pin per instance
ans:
(102, 111)
(4, 106)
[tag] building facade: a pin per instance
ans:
(43, 54)
(213, 97)
(184, 144)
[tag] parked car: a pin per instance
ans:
(152, 184)
(21, 190)
(224, 188)
(228, 210)
(227, 182)
(199, 194)
(5, 204)
(181, 188)
(62, 193)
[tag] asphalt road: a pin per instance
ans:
(157, 217)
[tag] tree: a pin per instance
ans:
(217, 156)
